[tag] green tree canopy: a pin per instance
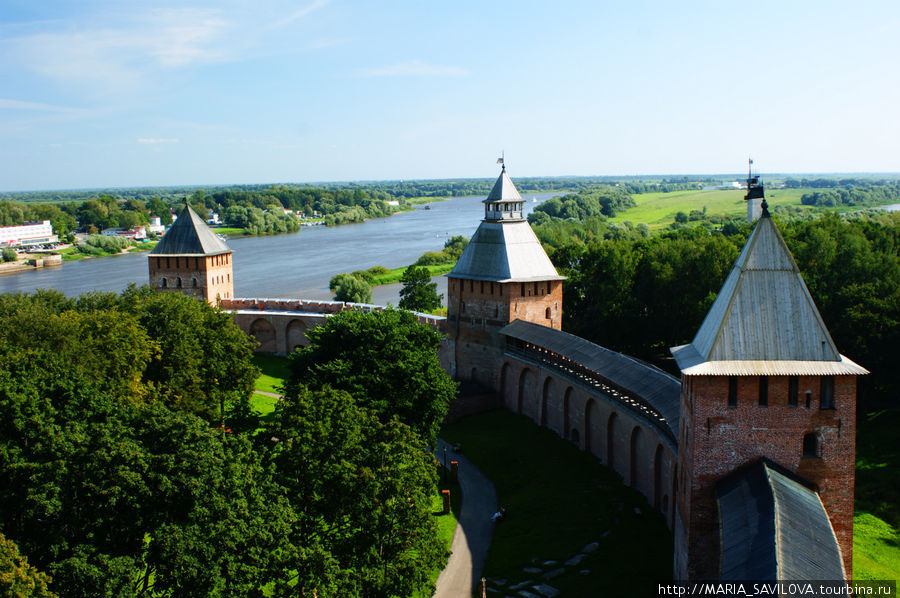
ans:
(418, 292)
(386, 360)
(353, 289)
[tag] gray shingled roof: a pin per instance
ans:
(660, 390)
(503, 190)
(764, 321)
(772, 527)
(189, 235)
(505, 251)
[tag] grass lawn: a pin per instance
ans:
(876, 525)
(559, 499)
(274, 370)
(658, 209)
(397, 273)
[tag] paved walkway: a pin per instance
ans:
(474, 529)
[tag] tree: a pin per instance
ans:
(361, 491)
(9, 254)
(353, 290)
(418, 292)
(386, 360)
(18, 579)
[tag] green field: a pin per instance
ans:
(558, 500)
(397, 273)
(658, 209)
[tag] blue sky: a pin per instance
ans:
(101, 93)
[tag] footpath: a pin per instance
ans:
(474, 529)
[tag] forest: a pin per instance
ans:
(131, 463)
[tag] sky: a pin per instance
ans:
(102, 93)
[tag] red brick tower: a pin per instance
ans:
(762, 379)
(191, 260)
(503, 275)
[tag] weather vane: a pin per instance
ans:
(500, 160)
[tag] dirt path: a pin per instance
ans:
(474, 530)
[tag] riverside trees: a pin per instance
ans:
(118, 479)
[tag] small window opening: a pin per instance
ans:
(827, 400)
(793, 391)
(810, 446)
(547, 313)
(732, 391)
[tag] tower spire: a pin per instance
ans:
(755, 190)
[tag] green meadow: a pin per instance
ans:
(658, 209)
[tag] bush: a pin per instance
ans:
(353, 290)
(434, 258)
(9, 254)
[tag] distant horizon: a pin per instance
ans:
(738, 176)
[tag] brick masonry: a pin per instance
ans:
(207, 277)
(716, 439)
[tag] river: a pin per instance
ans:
(297, 265)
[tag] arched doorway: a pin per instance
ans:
(634, 457)
(264, 333)
(611, 440)
(657, 480)
(526, 380)
(589, 414)
(296, 335)
(545, 397)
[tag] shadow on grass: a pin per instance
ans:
(558, 500)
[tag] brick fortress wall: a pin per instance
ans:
(716, 439)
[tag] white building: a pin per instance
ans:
(32, 232)
(156, 225)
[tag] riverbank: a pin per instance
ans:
(32, 262)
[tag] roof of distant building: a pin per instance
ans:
(772, 527)
(189, 235)
(764, 321)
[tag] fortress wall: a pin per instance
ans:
(280, 325)
(633, 448)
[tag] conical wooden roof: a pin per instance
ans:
(189, 235)
(504, 250)
(764, 321)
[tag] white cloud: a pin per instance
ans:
(155, 140)
(298, 14)
(9, 104)
(415, 68)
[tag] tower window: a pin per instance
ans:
(547, 313)
(194, 282)
(732, 391)
(810, 445)
(827, 392)
(164, 283)
(763, 391)
(523, 289)
(793, 391)
(177, 281)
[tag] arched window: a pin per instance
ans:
(178, 282)
(194, 282)
(165, 283)
(810, 445)
(547, 313)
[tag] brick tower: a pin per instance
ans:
(503, 275)
(763, 385)
(191, 260)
